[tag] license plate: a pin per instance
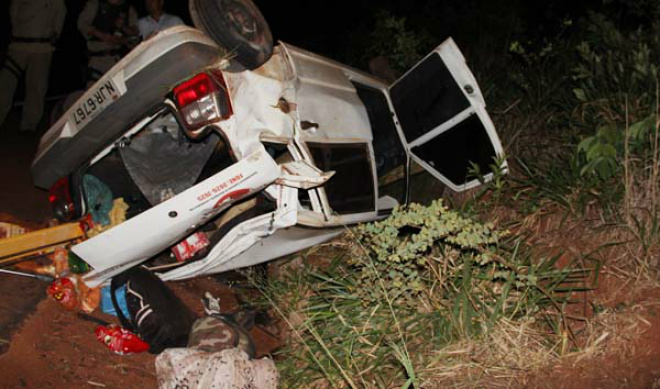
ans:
(94, 102)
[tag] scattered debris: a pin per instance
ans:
(61, 261)
(8, 230)
(33, 244)
(190, 246)
(227, 369)
(120, 341)
(116, 216)
(156, 313)
(89, 298)
(63, 290)
(107, 305)
(41, 277)
(220, 332)
(99, 199)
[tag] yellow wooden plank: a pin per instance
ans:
(36, 242)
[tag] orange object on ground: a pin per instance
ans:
(89, 298)
(61, 261)
(63, 291)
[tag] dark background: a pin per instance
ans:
(342, 29)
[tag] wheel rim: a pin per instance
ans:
(243, 21)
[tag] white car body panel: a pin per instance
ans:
(244, 236)
(279, 243)
(326, 98)
(167, 223)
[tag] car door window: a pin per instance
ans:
(427, 97)
(388, 149)
(443, 120)
(389, 152)
(452, 151)
(351, 189)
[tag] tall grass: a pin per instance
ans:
(339, 336)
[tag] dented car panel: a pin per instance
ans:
(289, 153)
(244, 236)
(142, 237)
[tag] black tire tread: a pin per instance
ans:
(214, 22)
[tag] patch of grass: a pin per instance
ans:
(351, 324)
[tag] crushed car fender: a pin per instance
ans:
(244, 236)
(172, 220)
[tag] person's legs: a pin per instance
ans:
(10, 74)
(36, 86)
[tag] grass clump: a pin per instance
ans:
(421, 281)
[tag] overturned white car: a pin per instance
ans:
(255, 164)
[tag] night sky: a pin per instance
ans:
(336, 29)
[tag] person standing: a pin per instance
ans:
(157, 20)
(36, 26)
(108, 26)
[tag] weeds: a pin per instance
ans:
(430, 298)
(422, 281)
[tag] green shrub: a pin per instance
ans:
(397, 251)
(616, 79)
(416, 282)
(393, 39)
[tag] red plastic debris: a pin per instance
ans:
(120, 341)
(63, 290)
(190, 246)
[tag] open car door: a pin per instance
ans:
(442, 119)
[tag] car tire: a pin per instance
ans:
(238, 26)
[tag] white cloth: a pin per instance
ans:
(227, 369)
(148, 26)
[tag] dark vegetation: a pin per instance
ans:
(574, 93)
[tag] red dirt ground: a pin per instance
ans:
(55, 348)
(631, 361)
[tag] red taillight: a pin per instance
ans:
(194, 89)
(202, 100)
(60, 199)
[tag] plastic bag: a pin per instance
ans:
(63, 291)
(99, 199)
(120, 341)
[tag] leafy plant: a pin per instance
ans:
(604, 151)
(393, 39)
(398, 250)
(615, 79)
(498, 182)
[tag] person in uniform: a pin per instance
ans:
(108, 26)
(36, 26)
(157, 20)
